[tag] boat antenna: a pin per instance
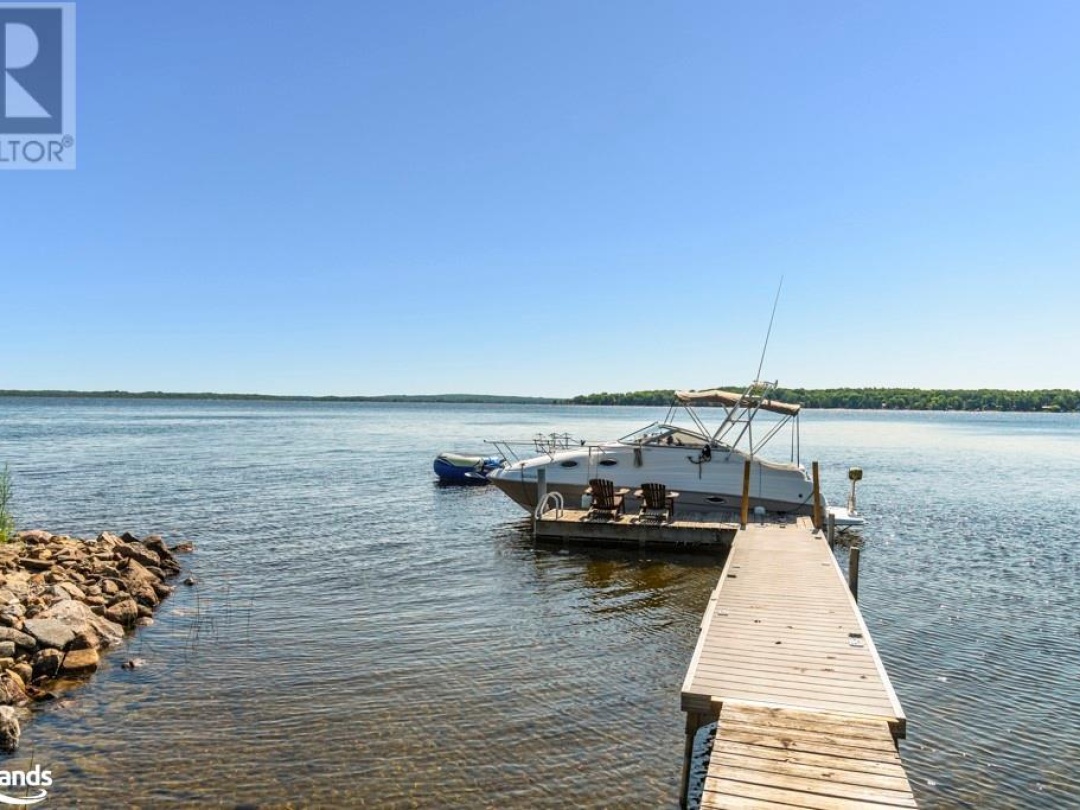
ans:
(764, 348)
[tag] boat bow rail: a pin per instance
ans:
(541, 444)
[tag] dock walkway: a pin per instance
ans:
(784, 661)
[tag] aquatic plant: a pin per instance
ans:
(7, 522)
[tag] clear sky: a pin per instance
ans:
(552, 198)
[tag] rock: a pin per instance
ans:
(190, 581)
(124, 612)
(145, 595)
(79, 662)
(162, 590)
(46, 663)
(134, 663)
(132, 570)
(185, 547)
(144, 621)
(128, 537)
(25, 671)
(108, 540)
(9, 730)
(139, 553)
(86, 624)
(34, 536)
(12, 689)
(8, 597)
(68, 590)
(7, 649)
(157, 545)
(6, 663)
(21, 639)
(35, 565)
(49, 632)
(109, 587)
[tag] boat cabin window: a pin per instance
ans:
(570, 463)
(657, 434)
(608, 462)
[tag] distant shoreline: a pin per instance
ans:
(900, 399)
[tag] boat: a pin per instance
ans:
(705, 466)
(457, 468)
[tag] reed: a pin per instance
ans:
(7, 521)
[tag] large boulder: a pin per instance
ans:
(49, 632)
(90, 629)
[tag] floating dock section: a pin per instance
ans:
(627, 531)
(806, 715)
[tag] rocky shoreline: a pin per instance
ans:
(63, 600)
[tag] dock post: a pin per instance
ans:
(694, 721)
(817, 498)
(830, 522)
(745, 511)
(853, 571)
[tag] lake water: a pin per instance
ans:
(362, 637)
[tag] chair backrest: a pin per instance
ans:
(654, 495)
(603, 493)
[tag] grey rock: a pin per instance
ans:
(7, 649)
(86, 623)
(21, 639)
(49, 632)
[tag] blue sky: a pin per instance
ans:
(551, 198)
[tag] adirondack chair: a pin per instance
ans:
(657, 503)
(606, 500)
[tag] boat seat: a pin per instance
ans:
(657, 503)
(607, 502)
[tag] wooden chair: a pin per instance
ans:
(606, 500)
(657, 503)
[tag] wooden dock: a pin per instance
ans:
(784, 663)
(628, 531)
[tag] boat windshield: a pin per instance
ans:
(657, 433)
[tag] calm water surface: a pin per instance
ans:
(362, 637)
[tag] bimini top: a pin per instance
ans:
(732, 400)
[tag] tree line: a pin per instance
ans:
(901, 399)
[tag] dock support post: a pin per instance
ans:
(853, 571)
(830, 522)
(817, 499)
(694, 721)
(744, 513)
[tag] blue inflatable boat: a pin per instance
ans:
(455, 468)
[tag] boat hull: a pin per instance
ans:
(704, 486)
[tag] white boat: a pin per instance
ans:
(706, 467)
